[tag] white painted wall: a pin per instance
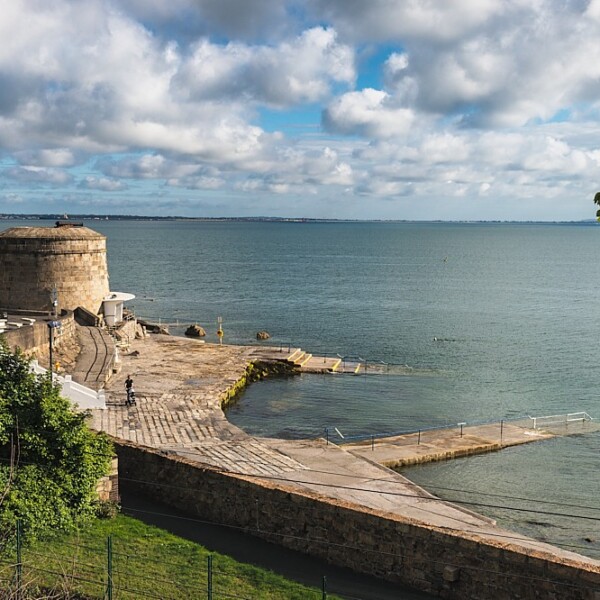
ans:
(81, 396)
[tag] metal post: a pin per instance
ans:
(220, 329)
(209, 583)
(51, 332)
(372, 443)
(327, 435)
(501, 429)
(19, 559)
(324, 588)
(419, 438)
(461, 428)
(109, 568)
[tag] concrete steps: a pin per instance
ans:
(299, 357)
(307, 363)
(298, 352)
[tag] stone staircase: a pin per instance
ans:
(307, 363)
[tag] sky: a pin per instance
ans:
(356, 109)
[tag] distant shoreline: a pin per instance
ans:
(93, 217)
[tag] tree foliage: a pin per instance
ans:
(597, 201)
(50, 462)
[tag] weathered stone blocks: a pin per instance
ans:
(35, 259)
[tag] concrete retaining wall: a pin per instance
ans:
(448, 564)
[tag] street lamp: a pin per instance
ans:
(52, 325)
(54, 299)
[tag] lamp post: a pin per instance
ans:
(54, 299)
(52, 325)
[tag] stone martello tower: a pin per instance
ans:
(33, 260)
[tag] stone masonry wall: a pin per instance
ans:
(31, 267)
(445, 563)
(33, 340)
(108, 486)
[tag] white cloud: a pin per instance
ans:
(12, 199)
(185, 97)
(201, 182)
(38, 175)
(222, 18)
(103, 184)
(369, 113)
(51, 157)
(388, 20)
(301, 70)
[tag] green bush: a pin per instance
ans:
(50, 462)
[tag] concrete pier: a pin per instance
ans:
(456, 441)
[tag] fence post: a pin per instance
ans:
(372, 443)
(501, 429)
(324, 588)
(419, 439)
(19, 558)
(109, 568)
(209, 584)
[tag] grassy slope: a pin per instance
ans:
(148, 563)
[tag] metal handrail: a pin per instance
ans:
(378, 435)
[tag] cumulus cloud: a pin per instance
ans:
(38, 175)
(103, 184)
(197, 182)
(498, 98)
(51, 157)
(222, 18)
(369, 113)
(482, 63)
(12, 199)
(388, 20)
(298, 71)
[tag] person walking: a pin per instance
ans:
(129, 390)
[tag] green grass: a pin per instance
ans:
(147, 562)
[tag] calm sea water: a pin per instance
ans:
(487, 321)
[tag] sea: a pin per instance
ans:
(460, 322)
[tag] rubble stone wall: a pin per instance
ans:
(448, 564)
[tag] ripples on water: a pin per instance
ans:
(492, 320)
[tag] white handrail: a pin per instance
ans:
(564, 417)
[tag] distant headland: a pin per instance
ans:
(266, 219)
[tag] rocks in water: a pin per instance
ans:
(154, 327)
(195, 331)
(263, 335)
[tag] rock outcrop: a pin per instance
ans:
(263, 335)
(195, 331)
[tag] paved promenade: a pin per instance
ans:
(179, 385)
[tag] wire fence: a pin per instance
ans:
(117, 570)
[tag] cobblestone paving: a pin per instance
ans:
(178, 404)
